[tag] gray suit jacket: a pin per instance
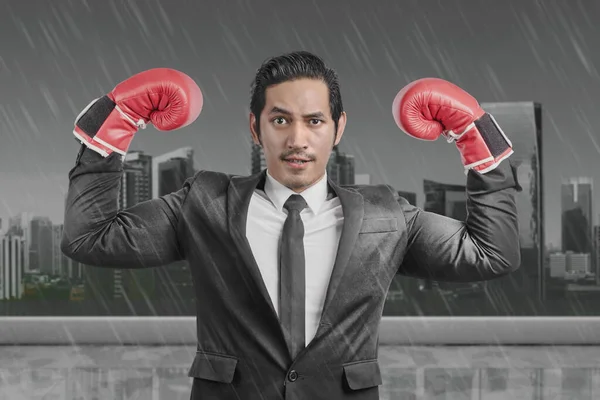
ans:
(241, 351)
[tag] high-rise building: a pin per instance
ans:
(411, 197)
(332, 168)
(570, 266)
(75, 270)
(60, 262)
(127, 284)
(557, 265)
(596, 263)
(340, 167)
(257, 159)
(522, 123)
(57, 254)
(40, 247)
(62, 265)
(135, 284)
(445, 199)
(347, 167)
(12, 266)
(579, 263)
(173, 282)
(577, 223)
(20, 225)
(450, 201)
(136, 182)
(171, 173)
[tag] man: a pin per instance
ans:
(291, 271)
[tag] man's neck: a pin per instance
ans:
(302, 189)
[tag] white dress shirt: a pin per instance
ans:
(323, 221)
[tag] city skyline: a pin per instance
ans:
(45, 269)
(188, 152)
(60, 57)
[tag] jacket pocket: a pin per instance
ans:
(213, 367)
(362, 374)
(379, 225)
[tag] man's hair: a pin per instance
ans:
(289, 67)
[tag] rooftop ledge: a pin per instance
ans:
(393, 331)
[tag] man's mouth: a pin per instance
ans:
(297, 160)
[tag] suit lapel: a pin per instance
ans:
(238, 201)
(239, 194)
(353, 209)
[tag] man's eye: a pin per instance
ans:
(315, 121)
(279, 120)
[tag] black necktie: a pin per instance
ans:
(292, 278)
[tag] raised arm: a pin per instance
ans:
(483, 247)
(95, 231)
(486, 245)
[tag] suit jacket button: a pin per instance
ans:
(293, 375)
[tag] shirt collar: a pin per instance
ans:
(314, 196)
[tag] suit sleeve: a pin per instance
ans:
(483, 247)
(97, 233)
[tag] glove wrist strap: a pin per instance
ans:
(105, 128)
(93, 116)
(495, 139)
(482, 144)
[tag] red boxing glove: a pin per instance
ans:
(430, 107)
(168, 98)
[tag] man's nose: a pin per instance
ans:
(298, 135)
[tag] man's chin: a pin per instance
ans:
(296, 182)
(299, 182)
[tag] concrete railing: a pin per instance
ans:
(393, 330)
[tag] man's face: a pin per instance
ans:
(297, 132)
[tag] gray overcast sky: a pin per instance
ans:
(57, 57)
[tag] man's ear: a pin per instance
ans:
(341, 128)
(254, 129)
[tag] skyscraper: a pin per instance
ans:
(411, 197)
(60, 262)
(450, 201)
(127, 284)
(444, 199)
(596, 262)
(174, 282)
(340, 167)
(166, 175)
(136, 187)
(172, 174)
(522, 123)
(577, 223)
(12, 266)
(20, 225)
(257, 159)
(136, 182)
(40, 247)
